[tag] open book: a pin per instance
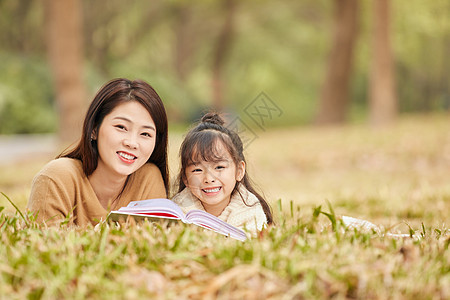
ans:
(157, 209)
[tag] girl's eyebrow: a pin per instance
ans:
(221, 161)
(129, 121)
(192, 163)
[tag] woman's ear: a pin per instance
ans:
(240, 171)
(94, 135)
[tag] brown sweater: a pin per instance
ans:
(61, 189)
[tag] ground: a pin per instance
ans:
(395, 177)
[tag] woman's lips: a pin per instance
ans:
(126, 157)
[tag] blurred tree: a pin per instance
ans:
(221, 52)
(113, 31)
(173, 45)
(334, 100)
(24, 37)
(185, 39)
(382, 94)
(421, 38)
(26, 95)
(65, 52)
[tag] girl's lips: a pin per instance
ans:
(126, 157)
(212, 191)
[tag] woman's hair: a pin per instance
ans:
(200, 144)
(112, 94)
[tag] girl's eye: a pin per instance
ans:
(146, 134)
(196, 170)
(220, 167)
(120, 127)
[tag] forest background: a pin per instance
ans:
(317, 61)
(290, 66)
(343, 106)
(282, 70)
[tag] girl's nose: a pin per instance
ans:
(209, 177)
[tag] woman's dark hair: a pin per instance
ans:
(199, 144)
(113, 93)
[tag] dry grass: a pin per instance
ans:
(390, 174)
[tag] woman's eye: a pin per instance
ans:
(120, 127)
(146, 134)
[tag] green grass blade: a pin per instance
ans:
(15, 206)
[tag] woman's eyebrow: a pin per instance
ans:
(129, 121)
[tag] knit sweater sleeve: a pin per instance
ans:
(50, 199)
(151, 181)
(250, 218)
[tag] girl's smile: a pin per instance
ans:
(211, 191)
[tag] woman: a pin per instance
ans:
(121, 157)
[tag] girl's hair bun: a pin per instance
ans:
(213, 118)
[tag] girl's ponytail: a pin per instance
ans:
(213, 118)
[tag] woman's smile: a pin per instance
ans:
(126, 157)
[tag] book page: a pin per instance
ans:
(209, 221)
(123, 216)
(162, 208)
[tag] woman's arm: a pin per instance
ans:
(153, 186)
(48, 200)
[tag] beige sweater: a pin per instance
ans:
(237, 213)
(61, 189)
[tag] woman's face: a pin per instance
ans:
(126, 139)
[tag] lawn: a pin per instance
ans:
(395, 177)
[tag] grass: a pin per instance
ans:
(395, 177)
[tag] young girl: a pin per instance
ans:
(213, 177)
(121, 156)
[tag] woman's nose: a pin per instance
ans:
(130, 142)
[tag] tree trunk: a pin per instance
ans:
(382, 95)
(183, 47)
(222, 49)
(334, 100)
(65, 52)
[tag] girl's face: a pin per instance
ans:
(212, 182)
(126, 139)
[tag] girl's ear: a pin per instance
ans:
(183, 177)
(240, 171)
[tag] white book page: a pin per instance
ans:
(204, 219)
(159, 205)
